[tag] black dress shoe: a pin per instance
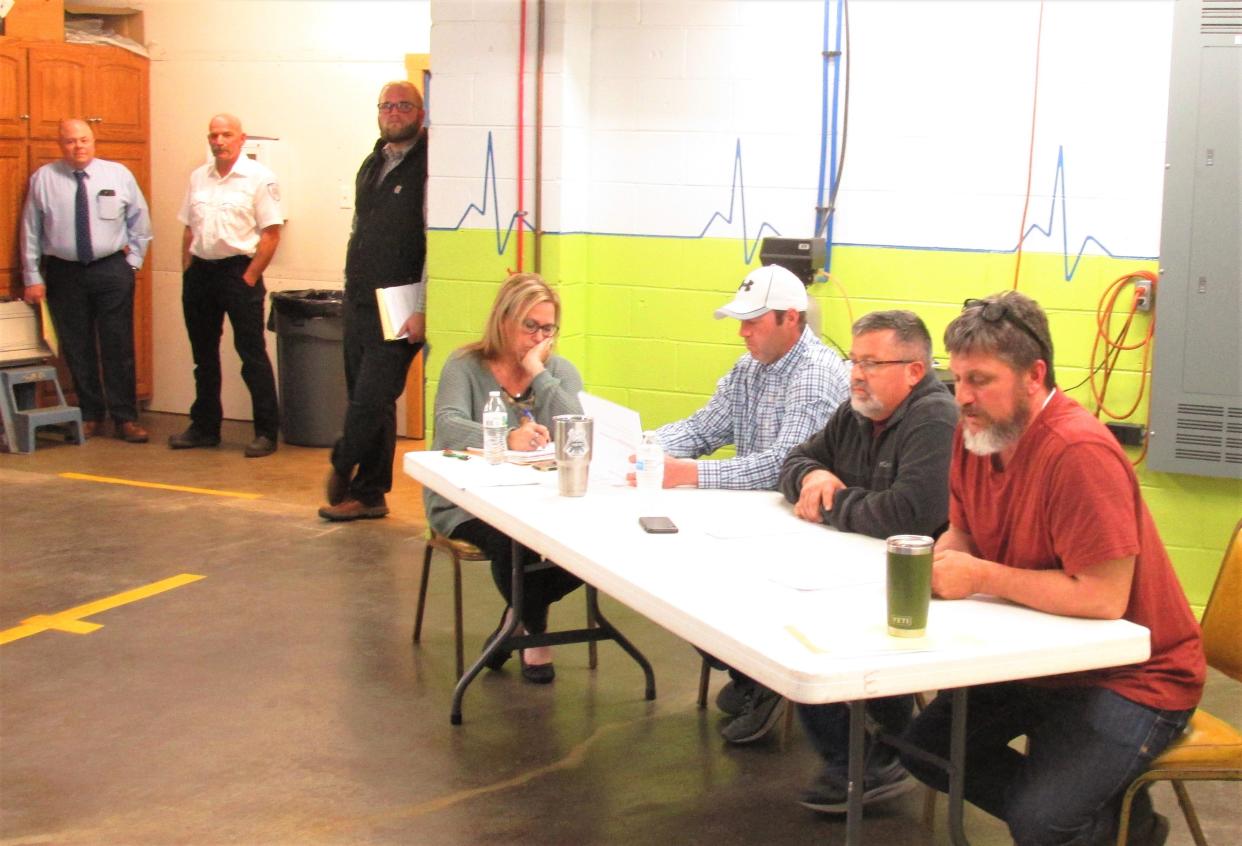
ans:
(260, 446)
(191, 438)
(497, 659)
(537, 673)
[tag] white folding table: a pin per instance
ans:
(798, 607)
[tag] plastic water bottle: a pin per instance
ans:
(649, 464)
(495, 429)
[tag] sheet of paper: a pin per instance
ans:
(49, 328)
(617, 433)
(815, 575)
(759, 524)
(516, 456)
(872, 639)
(474, 472)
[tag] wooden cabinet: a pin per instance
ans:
(14, 96)
(13, 170)
(117, 99)
(41, 83)
(137, 158)
(58, 74)
(105, 86)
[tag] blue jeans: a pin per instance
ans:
(828, 727)
(1086, 745)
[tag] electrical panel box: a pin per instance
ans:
(1196, 399)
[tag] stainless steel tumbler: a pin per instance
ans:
(572, 434)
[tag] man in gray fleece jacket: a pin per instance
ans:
(880, 467)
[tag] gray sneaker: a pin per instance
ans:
(732, 698)
(827, 793)
(762, 710)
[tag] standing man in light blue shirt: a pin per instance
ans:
(85, 233)
(776, 396)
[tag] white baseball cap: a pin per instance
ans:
(771, 288)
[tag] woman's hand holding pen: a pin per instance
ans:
(529, 435)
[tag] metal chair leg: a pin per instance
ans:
(592, 650)
(705, 675)
(929, 793)
(1188, 811)
(787, 728)
(457, 627)
(422, 595)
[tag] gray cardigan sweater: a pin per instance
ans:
(465, 383)
(896, 483)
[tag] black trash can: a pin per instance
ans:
(310, 330)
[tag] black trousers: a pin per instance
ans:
(92, 308)
(375, 372)
(541, 588)
(209, 291)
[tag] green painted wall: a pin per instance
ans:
(638, 324)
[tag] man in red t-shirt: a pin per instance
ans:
(1045, 511)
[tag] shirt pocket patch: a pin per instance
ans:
(108, 206)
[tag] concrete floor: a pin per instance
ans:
(279, 700)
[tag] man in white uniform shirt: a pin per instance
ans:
(232, 223)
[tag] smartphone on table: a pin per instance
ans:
(658, 525)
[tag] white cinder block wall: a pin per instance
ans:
(306, 72)
(646, 103)
(648, 100)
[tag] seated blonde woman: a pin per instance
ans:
(514, 357)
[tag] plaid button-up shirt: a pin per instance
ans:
(764, 410)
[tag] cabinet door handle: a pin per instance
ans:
(94, 120)
(24, 117)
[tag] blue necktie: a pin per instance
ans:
(82, 220)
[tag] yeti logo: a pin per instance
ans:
(576, 446)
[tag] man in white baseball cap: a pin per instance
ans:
(775, 397)
(770, 288)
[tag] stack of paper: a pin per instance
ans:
(617, 433)
(396, 304)
(515, 456)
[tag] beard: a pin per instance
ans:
(996, 435)
(398, 136)
(868, 406)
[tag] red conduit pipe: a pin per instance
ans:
(1030, 158)
(521, 132)
(539, 50)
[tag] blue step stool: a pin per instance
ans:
(18, 390)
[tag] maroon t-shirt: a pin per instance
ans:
(1069, 499)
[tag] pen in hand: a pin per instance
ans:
(539, 435)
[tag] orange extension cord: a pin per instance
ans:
(849, 309)
(1106, 350)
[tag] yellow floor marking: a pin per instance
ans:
(70, 621)
(108, 480)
